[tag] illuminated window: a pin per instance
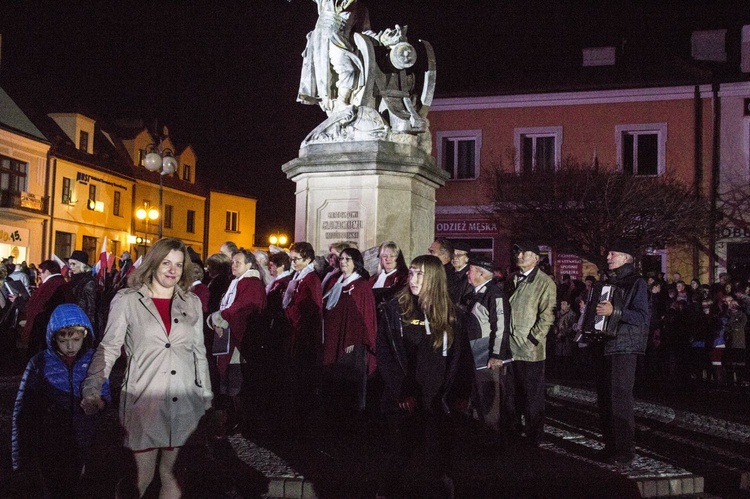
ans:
(116, 204)
(186, 173)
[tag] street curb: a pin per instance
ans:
(293, 488)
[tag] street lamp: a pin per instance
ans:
(147, 214)
(162, 160)
(279, 239)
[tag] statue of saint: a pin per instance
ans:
(366, 82)
(331, 70)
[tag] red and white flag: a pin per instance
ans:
(102, 265)
(63, 265)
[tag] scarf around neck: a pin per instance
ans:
(231, 294)
(289, 294)
(335, 292)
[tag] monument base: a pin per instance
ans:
(367, 192)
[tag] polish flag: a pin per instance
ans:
(134, 266)
(63, 265)
(102, 264)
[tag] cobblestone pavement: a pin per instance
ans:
(695, 444)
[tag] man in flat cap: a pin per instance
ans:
(615, 356)
(461, 292)
(488, 331)
(532, 314)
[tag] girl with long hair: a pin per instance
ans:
(425, 361)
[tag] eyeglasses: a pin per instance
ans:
(296, 259)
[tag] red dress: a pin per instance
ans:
(305, 317)
(247, 307)
(351, 322)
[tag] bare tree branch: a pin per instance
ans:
(582, 209)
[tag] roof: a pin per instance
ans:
(15, 120)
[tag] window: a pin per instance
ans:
(641, 149)
(66, 191)
(116, 204)
(12, 176)
(91, 246)
(167, 216)
(539, 149)
(186, 171)
(83, 141)
(92, 192)
(458, 153)
(141, 157)
(232, 217)
(191, 221)
(63, 243)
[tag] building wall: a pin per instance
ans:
(22, 223)
(182, 202)
(219, 204)
(587, 123)
(733, 234)
(75, 217)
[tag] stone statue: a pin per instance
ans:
(364, 81)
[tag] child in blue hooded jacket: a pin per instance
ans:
(51, 432)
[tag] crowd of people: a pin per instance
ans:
(697, 332)
(259, 342)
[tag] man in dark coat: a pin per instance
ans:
(615, 357)
(42, 303)
(462, 289)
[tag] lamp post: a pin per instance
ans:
(279, 239)
(162, 160)
(146, 214)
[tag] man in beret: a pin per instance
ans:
(532, 314)
(615, 358)
(489, 338)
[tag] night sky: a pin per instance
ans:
(223, 76)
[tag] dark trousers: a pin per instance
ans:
(524, 396)
(486, 396)
(431, 433)
(615, 377)
(345, 382)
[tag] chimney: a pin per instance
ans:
(599, 56)
(709, 45)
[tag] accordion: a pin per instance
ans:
(600, 326)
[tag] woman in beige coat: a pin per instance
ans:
(166, 388)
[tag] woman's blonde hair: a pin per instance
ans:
(144, 273)
(434, 300)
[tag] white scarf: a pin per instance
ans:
(270, 284)
(293, 284)
(334, 293)
(380, 283)
(231, 294)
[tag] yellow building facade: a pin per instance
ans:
(231, 218)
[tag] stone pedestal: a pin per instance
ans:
(365, 191)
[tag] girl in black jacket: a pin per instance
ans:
(425, 361)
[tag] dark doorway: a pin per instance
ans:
(651, 265)
(738, 261)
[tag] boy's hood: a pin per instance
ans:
(67, 315)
